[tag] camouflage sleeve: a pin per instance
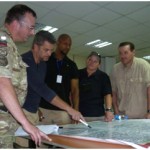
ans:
(3, 54)
(4, 71)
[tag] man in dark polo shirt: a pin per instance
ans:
(62, 77)
(95, 91)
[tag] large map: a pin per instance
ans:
(132, 130)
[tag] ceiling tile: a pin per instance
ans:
(121, 24)
(40, 11)
(77, 9)
(126, 7)
(101, 16)
(100, 33)
(4, 6)
(141, 15)
(102, 3)
(47, 4)
(136, 31)
(80, 26)
(56, 19)
(85, 21)
(80, 40)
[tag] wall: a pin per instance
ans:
(106, 63)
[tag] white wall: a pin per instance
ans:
(106, 62)
(79, 60)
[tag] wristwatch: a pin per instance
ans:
(108, 109)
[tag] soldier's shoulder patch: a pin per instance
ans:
(3, 41)
(3, 50)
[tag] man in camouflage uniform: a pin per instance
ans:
(19, 25)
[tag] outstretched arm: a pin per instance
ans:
(75, 93)
(108, 106)
(56, 101)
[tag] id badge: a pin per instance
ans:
(59, 79)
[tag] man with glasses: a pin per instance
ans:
(95, 91)
(30, 27)
(13, 83)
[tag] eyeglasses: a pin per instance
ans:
(29, 27)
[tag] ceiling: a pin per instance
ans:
(114, 21)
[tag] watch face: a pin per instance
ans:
(108, 109)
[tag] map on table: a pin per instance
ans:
(132, 130)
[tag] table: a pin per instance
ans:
(132, 130)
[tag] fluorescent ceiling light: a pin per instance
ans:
(91, 43)
(40, 26)
(46, 28)
(98, 43)
(102, 44)
(147, 57)
(50, 29)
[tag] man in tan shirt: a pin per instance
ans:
(130, 80)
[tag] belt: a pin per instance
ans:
(3, 108)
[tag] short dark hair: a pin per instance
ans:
(95, 54)
(17, 12)
(132, 47)
(42, 36)
(64, 36)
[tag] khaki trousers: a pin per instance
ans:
(55, 117)
(89, 119)
(32, 117)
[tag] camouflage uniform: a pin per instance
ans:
(11, 66)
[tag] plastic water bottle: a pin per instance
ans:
(121, 117)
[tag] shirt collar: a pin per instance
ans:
(6, 30)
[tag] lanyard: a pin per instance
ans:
(59, 65)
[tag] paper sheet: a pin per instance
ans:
(47, 129)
